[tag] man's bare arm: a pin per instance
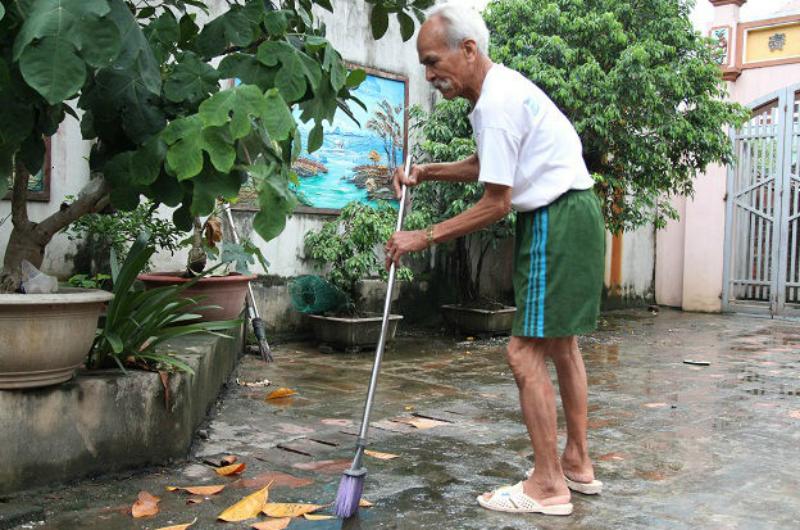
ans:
(493, 206)
(466, 170)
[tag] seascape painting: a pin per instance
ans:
(356, 161)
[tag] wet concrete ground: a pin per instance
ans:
(678, 446)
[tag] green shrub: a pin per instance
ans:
(349, 249)
(137, 320)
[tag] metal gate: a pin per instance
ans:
(762, 229)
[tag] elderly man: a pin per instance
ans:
(529, 158)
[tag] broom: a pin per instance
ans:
(259, 326)
(352, 483)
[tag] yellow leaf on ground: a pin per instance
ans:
(233, 469)
(422, 423)
(281, 393)
(273, 524)
(312, 517)
(146, 505)
(247, 508)
(178, 526)
(286, 509)
(381, 456)
(198, 490)
(364, 503)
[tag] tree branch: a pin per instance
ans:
(92, 198)
(19, 195)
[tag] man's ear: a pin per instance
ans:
(470, 49)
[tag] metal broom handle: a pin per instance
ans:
(373, 382)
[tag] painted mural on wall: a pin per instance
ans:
(356, 160)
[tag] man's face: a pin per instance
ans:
(445, 67)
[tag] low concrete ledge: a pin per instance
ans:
(102, 422)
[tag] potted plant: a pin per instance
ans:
(147, 82)
(222, 290)
(446, 136)
(348, 250)
(138, 320)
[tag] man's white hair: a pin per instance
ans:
(462, 23)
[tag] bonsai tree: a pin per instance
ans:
(640, 85)
(445, 135)
(146, 79)
(349, 249)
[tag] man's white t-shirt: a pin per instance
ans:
(525, 142)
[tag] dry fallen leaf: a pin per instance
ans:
(213, 231)
(285, 509)
(247, 508)
(655, 405)
(146, 505)
(281, 393)
(233, 469)
(228, 460)
(271, 477)
(795, 414)
(312, 517)
(364, 503)
(178, 526)
(195, 499)
(198, 490)
(380, 456)
(422, 423)
(274, 524)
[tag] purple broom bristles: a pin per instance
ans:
(349, 495)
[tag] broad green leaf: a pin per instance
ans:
(191, 80)
(315, 138)
(276, 23)
(235, 106)
(53, 69)
(32, 153)
(2, 11)
(137, 168)
(325, 4)
(188, 139)
(57, 38)
(233, 28)
(123, 99)
(379, 20)
(248, 70)
(276, 202)
(355, 78)
(297, 68)
(406, 26)
(163, 34)
(277, 117)
(210, 185)
(125, 198)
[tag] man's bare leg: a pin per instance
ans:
(573, 387)
(527, 359)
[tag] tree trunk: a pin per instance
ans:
(28, 239)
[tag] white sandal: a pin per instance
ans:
(512, 499)
(594, 487)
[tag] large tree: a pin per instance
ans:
(143, 79)
(638, 82)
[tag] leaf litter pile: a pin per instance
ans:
(279, 514)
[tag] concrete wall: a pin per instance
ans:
(690, 253)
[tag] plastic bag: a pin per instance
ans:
(35, 281)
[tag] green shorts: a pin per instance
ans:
(559, 265)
